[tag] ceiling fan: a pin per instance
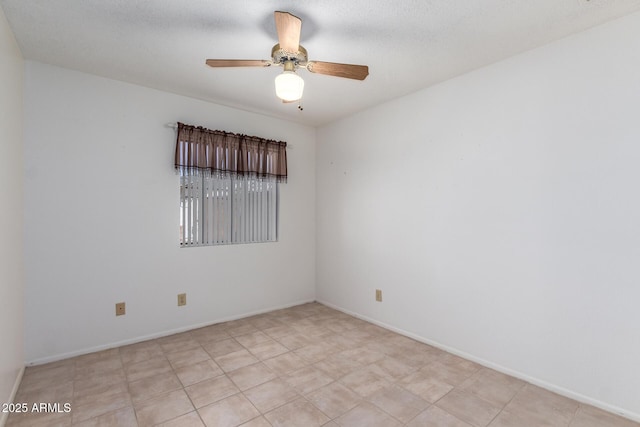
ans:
(289, 54)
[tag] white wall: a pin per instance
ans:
(101, 218)
(11, 209)
(499, 214)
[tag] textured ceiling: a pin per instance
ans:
(408, 45)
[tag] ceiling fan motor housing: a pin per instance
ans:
(281, 57)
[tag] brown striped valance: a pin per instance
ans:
(215, 151)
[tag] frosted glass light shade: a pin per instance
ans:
(289, 86)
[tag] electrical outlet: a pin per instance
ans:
(378, 295)
(182, 299)
(120, 309)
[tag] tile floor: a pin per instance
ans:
(303, 366)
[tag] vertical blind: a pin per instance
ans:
(218, 210)
(228, 187)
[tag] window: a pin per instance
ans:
(216, 210)
(229, 186)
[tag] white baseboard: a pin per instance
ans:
(12, 397)
(535, 381)
(62, 356)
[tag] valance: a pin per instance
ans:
(204, 150)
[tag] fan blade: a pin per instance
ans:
(288, 27)
(238, 63)
(349, 71)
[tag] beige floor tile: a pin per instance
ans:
(223, 347)
(382, 345)
(175, 338)
(334, 399)
(148, 368)
(257, 422)
(122, 417)
(95, 384)
(458, 363)
(401, 342)
(62, 369)
(436, 417)
(399, 403)
(316, 352)
(182, 358)
(294, 341)
(337, 365)
(251, 376)
(267, 350)
(230, 412)
(523, 418)
(238, 328)
(198, 372)
(339, 326)
(449, 373)
(307, 379)
(271, 395)
(61, 392)
(492, 386)
(288, 319)
(285, 363)
(237, 359)
(38, 420)
(47, 377)
(420, 357)
(253, 338)
(210, 391)
(236, 323)
(375, 330)
(280, 331)
(191, 419)
(140, 352)
(391, 368)
(356, 334)
(364, 381)
(362, 355)
(425, 386)
(367, 415)
(181, 342)
(265, 322)
(301, 322)
(317, 333)
(156, 385)
(209, 334)
(86, 406)
(469, 408)
(163, 408)
(295, 414)
(414, 347)
(588, 416)
(340, 342)
(98, 363)
(535, 403)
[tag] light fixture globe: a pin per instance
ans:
(289, 86)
